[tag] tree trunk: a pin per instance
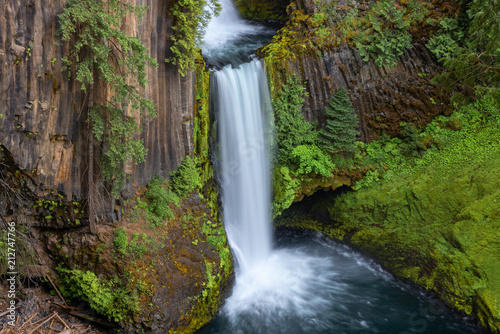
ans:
(91, 194)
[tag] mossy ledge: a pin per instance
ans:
(437, 226)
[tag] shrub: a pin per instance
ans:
(444, 44)
(340, 131)
(121, 240)
(102, 296)
(186, 179)
(159, 200)
(284, 188)
(311, 159)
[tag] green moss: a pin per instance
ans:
(435, 223)
(262, 9)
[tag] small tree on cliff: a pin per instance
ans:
(339, 133)
(100, 51)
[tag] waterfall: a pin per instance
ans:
(241, 98)
(230, 39)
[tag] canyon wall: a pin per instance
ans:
(43, 126)
(382, 98)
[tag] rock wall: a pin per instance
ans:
(382, 98)
(43, 125)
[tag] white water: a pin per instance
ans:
(277, 283)
(225, 27)
(271, 284)
(243, 104)
(229, 36)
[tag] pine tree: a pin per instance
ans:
(340, 131)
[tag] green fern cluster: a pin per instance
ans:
(389, 35)
(475, 63)
(103, 296)
(444, 44)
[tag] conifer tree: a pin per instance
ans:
(340, 131)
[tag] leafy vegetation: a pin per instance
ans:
(121, 240)
(340, 131)
(186, 179)
(388, 37)
(444, 44)
(447, 142)
(476, 63)
(100, 50)
(159, 200)
(310, 159)
(190, 20)
(292, 129)
(105, 297)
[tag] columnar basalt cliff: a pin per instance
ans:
(382, 98)
(175, 278)
(44, 113)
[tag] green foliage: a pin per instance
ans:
(410, 138)
(121, 240)
(190, 20)
(476, 64)
(100, 50)
(340, 131)
(284, 189)
(444, 44)
(472, 133)
(103, 296)
(389, 35)
(216, 236)
(417, 11)
(159, 200)
(312, 160)
(186, 179)
(291, 128)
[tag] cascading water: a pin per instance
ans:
(242, 100)
(230, 39)
(305, 285)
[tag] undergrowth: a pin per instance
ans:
(474, 131)
(106, 297)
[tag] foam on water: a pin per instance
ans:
(229, 37)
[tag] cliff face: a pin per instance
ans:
(382, 98)
(44, 125)
(323, 56)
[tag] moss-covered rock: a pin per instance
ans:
(263, 9)
(437, 226)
